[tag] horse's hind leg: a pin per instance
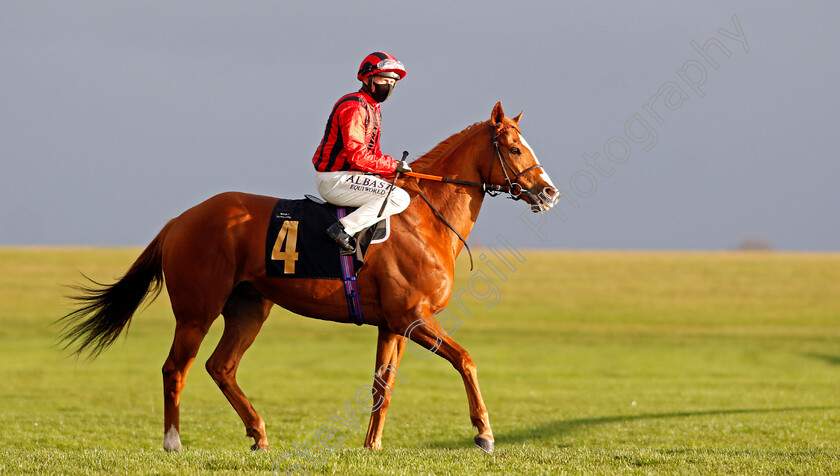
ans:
(188, 337)
(389, 351)
(244, 314)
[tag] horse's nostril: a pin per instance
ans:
(550, 195)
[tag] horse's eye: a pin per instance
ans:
(515, 150)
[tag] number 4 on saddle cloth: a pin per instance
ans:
(297, 246)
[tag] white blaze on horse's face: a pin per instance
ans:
(549, 195)
(544, 175)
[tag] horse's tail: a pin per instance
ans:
(106, 309)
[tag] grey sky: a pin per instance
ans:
(115, 116)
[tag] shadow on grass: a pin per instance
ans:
(562, 427)
(829, 359)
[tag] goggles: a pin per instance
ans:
(390, 64)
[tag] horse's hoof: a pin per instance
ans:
(487, 445)
(171, 449)
(256, 447)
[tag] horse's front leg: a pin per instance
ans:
(389, 351)
(428, 334)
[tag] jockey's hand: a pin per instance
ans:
(403, 166)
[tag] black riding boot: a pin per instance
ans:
(345, 241)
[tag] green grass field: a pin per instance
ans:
(590, 363)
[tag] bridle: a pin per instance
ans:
(510, 183)
(512, 186)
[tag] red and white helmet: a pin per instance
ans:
(382, 64)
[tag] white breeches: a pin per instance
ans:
(355, 189)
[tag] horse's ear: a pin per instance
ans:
(519, 117)
(498, 114)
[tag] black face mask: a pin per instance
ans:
(382, 91)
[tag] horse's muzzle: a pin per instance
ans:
(544, 200)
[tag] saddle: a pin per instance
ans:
(297, 245)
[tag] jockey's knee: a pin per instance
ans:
(400, 199)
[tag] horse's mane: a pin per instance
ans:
(447, 145)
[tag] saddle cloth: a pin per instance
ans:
(297, 244)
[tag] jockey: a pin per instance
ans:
(348, 160)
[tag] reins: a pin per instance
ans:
(488, 188)
(445, 222)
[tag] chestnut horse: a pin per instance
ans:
(213, 258)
